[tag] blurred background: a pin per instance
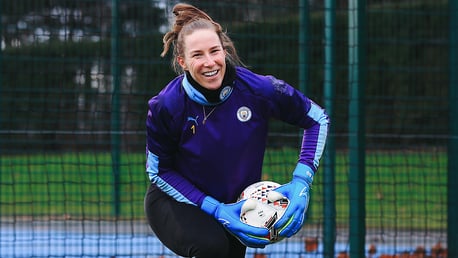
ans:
(76, 77)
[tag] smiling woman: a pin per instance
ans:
(206, 138)
(204, 58)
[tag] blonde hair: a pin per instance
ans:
(188, 19)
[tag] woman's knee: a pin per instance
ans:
(210, 247)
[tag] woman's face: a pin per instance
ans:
(204, 58)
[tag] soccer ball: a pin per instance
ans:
(263, 207)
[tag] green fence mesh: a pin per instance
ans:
(72, 147)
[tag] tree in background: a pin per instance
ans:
(42, 21)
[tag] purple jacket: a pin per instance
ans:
(189, 160)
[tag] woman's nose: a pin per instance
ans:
(209, 61)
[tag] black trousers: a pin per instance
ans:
(187, 230)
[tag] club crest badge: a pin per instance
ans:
(225, 92)
(243, 114)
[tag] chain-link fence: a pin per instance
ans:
(76, 77)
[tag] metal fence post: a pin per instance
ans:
(452, 180)
(115, 108)
(356, 178)
(1, 84)
(303, 50)
(303, 56)
(329, 198)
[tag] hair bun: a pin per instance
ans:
(189, 13)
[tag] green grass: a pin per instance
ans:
(403, 189)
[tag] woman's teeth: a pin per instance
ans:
(210, 73)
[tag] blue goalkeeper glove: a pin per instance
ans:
(229, 216)
(297, 191)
